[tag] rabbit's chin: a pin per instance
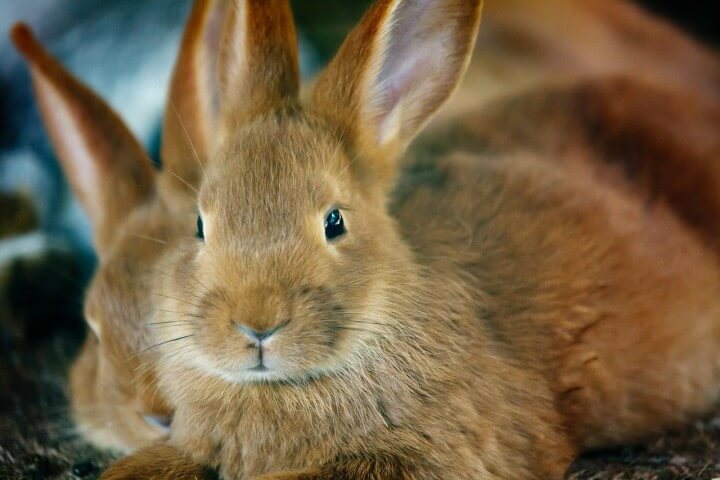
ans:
(274, 371)
(268, 375)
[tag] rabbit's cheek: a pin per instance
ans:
(105, 415)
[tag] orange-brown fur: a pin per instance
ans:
(615, 207)
(543, 279)
(113, 380)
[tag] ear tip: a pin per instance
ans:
(21, 34)
(24, 39)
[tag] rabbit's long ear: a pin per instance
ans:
(106, 166)
(258, 64)
(395, 69)
(191, 114)
(238, 59)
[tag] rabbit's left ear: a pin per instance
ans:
(238, 59)
(395, 69)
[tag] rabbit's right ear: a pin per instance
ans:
(106, 166)
(394, 70)
(238, 59)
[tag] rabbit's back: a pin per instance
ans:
(589, 244)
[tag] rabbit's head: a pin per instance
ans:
(296, 257)
(136, 214)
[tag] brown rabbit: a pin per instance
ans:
(108, 393)
(544, 279)
(479, 132)
(136, 213)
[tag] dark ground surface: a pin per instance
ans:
(40, 331)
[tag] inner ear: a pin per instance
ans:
(422, 55)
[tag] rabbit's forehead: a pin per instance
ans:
(283, 169)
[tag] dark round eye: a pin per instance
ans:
(334, 225)
(200, 233)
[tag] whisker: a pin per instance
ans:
(182, 180)
(165, 343)
(152, 239)
(187, 136)
(178, 300)
(169, 322)
(181, 313)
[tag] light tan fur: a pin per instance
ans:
(541, 280)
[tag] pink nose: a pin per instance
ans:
(258, 337)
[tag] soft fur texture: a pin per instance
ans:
(540, 280)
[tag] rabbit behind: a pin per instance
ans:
(136, 212)
(543, 281)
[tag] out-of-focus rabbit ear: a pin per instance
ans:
(394, 70)
(106, 166)
(238, 59)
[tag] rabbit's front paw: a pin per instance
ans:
(157, 462)
(302, 475)
(128, 468)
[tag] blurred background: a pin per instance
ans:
(124, 49)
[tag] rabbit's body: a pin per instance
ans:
(584, 231)
(556, 293)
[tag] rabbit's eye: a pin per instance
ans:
(200, 233)
(334, 225)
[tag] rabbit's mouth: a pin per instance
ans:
(305, 341)
(264, 368)
(260, 367)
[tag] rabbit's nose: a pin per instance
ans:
(257, 337)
